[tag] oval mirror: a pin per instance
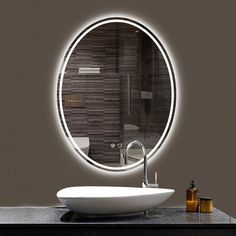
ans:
(116, 85)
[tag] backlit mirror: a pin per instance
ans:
(116, 85)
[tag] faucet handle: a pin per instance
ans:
(155, 185)
(155, 178)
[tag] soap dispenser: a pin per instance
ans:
(192, 199)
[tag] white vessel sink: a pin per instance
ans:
(96, 200)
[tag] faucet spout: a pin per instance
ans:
(145, 174)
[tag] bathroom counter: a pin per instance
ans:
(60, 221)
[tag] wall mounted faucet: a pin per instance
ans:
(145, 175)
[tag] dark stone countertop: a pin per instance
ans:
(163, 216)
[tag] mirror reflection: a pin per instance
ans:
(116, 88)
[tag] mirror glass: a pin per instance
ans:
(116, 85)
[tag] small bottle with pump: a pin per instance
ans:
(192, 199)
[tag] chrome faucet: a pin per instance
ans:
(145, 175)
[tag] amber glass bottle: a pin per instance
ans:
(192, 199)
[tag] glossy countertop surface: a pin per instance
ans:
(158, 216)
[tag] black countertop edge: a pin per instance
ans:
(118, 226)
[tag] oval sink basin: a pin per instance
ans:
(97, 200)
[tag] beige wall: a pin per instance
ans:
(35, 161)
